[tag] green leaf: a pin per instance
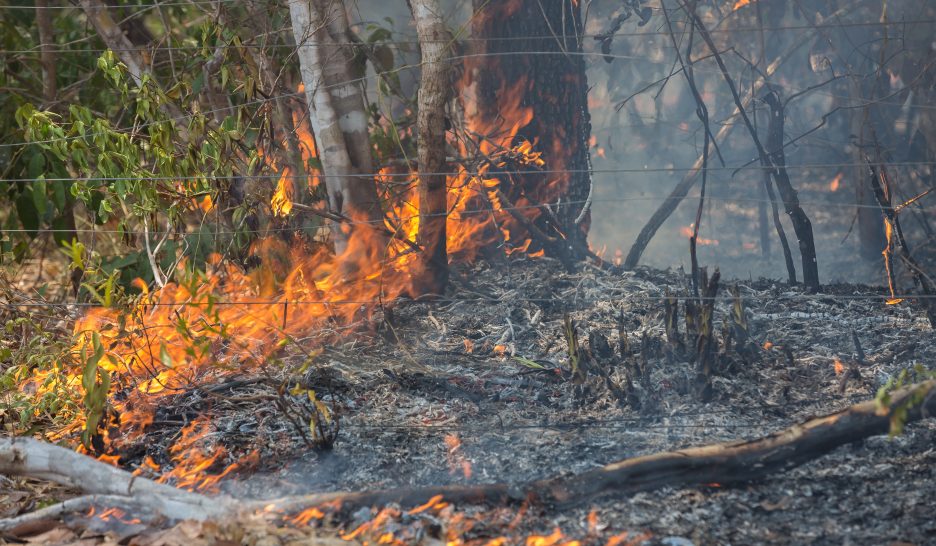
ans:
(36, 166)
(164, 356)
(59, 195)
(529, 363)
(27, 214)
(39, 196)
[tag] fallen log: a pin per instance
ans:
(725, 464)
(36, 459)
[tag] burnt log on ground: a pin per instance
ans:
(724, 464)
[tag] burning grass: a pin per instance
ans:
(127, 361)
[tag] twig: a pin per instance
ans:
(801, 223)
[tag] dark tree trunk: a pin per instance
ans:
(536, 45)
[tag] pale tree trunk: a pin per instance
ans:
(434, 89)
(338, 118)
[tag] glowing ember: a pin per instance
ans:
(434, 504)
(740, 4)
(686, 231)
(836, 182)
(456, 458)
(839, 367)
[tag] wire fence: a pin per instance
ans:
(460, 215)
(475, 39)
(883, 297)
(370, 177)
(858, 102)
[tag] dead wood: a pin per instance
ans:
(30, 457)
(689, 179)
(738, 462)
(726, 463)
(896, 243)
(801, 224)
(773, 157)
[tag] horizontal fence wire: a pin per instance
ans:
(631, 298)
(485, 39)
(860, 102)
(470, 214)
(368, 177)
(642, 422)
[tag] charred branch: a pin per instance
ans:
(773, 157)
(896, 243)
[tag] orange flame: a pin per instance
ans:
(456, 458)
(836, 182)
(839, 367)
(687, 231)
(204, 326)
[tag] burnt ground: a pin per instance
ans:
(430, 393)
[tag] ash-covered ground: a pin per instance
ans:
(476, 388)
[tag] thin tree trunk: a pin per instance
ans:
(338, 118)
(64, 225)
(46, 51)
(434, 90)
(671, 202)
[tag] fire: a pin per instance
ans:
(740, 4)
(192, 461)
(282, 201)
(304, 517)
(456, 458)
(204, 326)
(113, 514)
(687, 231)
(839, 367)
(435, 504)
(836, 182)
(393, 526)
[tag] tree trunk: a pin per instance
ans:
(338, 118)
(434, 88)
(546, 67)
(46, 51)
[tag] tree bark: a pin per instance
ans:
(549, 65)
(338, 119)
(434, 92)
(46, 51)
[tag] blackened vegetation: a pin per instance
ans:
(801, 224)
(630, 8)
(548, 61)
(897, 244)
